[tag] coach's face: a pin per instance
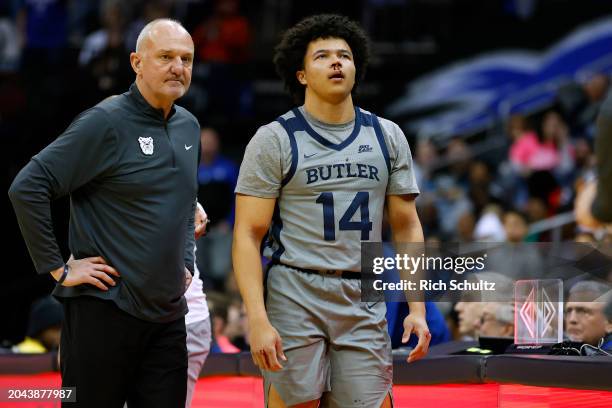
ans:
(329, 69)
(164, 63)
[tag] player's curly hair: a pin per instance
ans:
(289, 53)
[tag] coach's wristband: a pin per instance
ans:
(64, 274)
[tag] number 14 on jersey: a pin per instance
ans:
(360, 202)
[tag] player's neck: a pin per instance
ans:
(327, 112)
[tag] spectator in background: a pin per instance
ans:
(584, 156)
(465, 227)
(516, 258)
(451, 197)
(542, 186)
(497, 320)
(237, 325)
(473, 305)
(556, 129)
(515, 226)
(452, 202)
(104, 56)
(45, 57)
(489, 227)
(546, 166)
(580, 103)
(469, 312)
(217, 176)
(459, 156)
(222, 44)
(220, 341)
(479, 177)
(428, 214)
(532, 151)
(225, 36)
(44, 327)
(607, 343)
(519, 127)
(510, 181)
(497, 312)
(81, 17)
(424, 164)
(149, 10)
(113, 14)
(584, 318)
(536, 209)
(43, 28)
(9, 41)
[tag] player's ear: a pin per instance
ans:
(301, 77)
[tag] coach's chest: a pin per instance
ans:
(153, 158)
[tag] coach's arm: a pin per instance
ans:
(253, 218)
(86, 149)
(406, 227)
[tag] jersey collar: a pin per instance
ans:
(141, 102)
(324, 141)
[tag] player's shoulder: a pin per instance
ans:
(290, 114)
(390, 129)
(267, 137)
(276, 128)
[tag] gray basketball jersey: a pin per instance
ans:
(333, 196)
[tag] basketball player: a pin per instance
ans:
(317, 179)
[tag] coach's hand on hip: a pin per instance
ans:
(418, 325)
(93, 271)
(266, 345)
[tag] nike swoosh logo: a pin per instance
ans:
(188, 147)
(309, 156)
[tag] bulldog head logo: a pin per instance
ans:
(146, 145)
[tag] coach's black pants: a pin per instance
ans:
(112, 357)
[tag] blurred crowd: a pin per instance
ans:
(88, 42)
(546, 158)
(466, 195)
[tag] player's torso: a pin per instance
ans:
(333, 196)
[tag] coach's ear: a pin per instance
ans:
(301, 77)
(135, 61)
